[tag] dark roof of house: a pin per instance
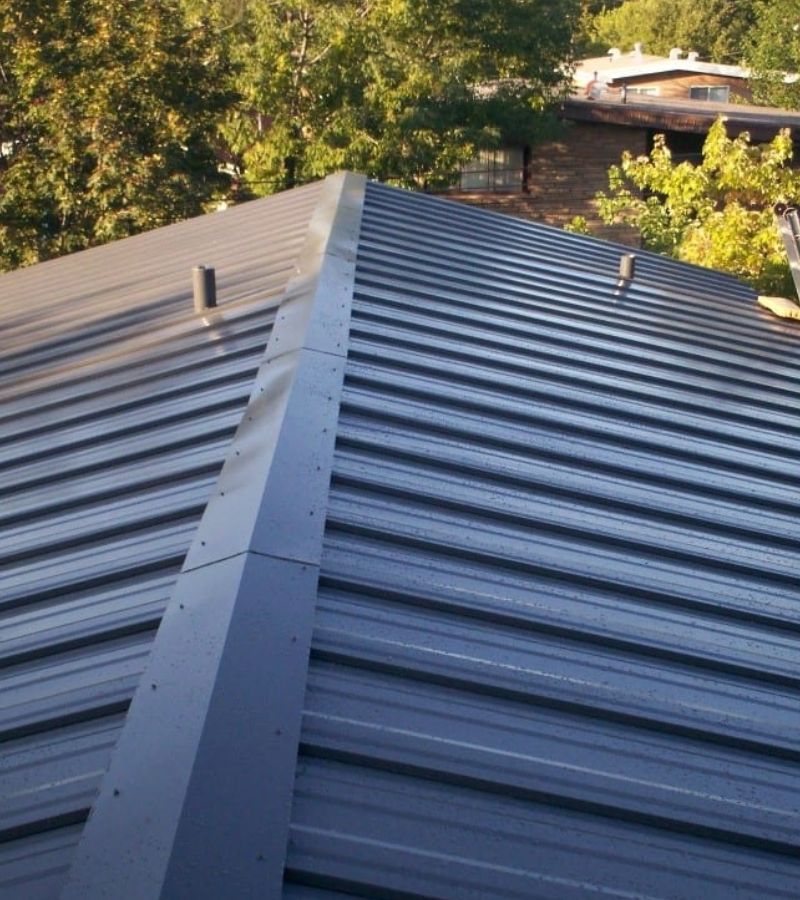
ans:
(495, 594)
(763, 123)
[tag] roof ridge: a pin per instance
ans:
(271, 493)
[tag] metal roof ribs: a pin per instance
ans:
(213, 731)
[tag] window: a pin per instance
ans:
(643, 91)
(713, 94)
(493, 170)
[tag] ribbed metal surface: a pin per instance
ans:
(117, 406)
(557, 641)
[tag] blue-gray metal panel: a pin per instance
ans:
(117, 408)
(232, 651)
(557, 645)
(390, 721)
(253, 603)
(127, 449)
(390, 833)
(34, 867)
(42, 693)
(52, 777)
(655, 465)
(556, 328)
(68, 621)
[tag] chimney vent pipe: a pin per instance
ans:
(627, 267)
(204, 285)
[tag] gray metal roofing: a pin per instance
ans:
(117, 405)
(537, 637)
(556, 643)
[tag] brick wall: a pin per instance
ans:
(564, 177)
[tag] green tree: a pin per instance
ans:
(774, 51)
(716, 29)
(109, 111)
(403, 90)
(717, 213)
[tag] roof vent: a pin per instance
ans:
(615, 53)
(675, 53)
(637, 51)
(204, 285)
(627, 266)
(693, 56)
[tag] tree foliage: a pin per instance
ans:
(717, 213)
(403, 90)
(109, 111)
(112, 110)
(716, 29)
(773, 51)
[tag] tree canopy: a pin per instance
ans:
(403, 90)
(717, 213)
(117, 115)
(773, 51)
(109, 112)
(716, 29)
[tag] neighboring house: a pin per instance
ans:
(621, 101)
(557, 180)
(679, 76)
(436, 562)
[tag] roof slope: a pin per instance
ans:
(495, 595)
(118, 405)
(556, 639)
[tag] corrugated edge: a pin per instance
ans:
(197, 799)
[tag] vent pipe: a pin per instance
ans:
(204, 284)
(627, 267)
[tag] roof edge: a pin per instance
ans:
(215, 721)
(675, 116)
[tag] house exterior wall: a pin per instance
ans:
(676, 85)
(565, 175)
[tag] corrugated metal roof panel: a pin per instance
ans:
(35, 867)
(117, 408)
(555, 629)
(557, 642)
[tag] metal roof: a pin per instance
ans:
(556, 640)
(118, 405)
(495, 595)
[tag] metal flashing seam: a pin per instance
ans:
(197, 799)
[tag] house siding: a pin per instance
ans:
(676, 85)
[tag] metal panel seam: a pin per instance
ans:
(213, 731)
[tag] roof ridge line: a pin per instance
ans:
(217, 712)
